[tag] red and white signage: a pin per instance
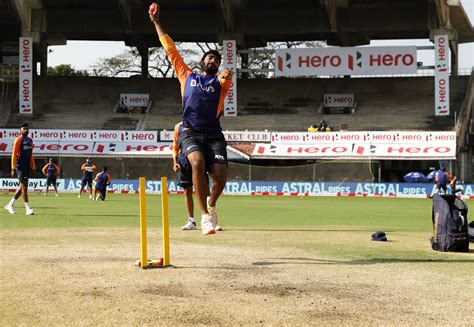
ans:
(338, 100)
(230, 61)
(134, 100)
(56, 135)
(379, 137)
(26, 76)
(355, 151)
(75, 148)
(346, 61)
(441, 75)
(86, 142)
(360, 145)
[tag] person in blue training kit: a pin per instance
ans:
(102, 180)
(22, 164)
(88, 169)
(51, 170)
(441, 180)
(202, 139)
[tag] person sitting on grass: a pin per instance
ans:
(102, 180)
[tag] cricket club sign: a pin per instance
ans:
(346, 61)
(26, 76)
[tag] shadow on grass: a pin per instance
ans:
(311, 261)
(99, 216)
(303, 230)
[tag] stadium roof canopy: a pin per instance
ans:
(251, 22)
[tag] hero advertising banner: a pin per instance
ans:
(346, 61)
(26, 76)
(441, 75)
(230, 61)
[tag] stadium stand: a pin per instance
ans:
(273, 104)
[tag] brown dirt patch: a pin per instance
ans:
(87, 277)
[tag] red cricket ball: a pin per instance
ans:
(153, 8)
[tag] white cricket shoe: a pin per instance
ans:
(218, 228)
(213, 212)
(91, 197)
(29, 212)
(10, 209)
(190, 225)
(45, 194)
(57, 194)
(207, 228)
(79, 196)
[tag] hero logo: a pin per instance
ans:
(281, 61)
(441, 55)
(390, 60)
(358, 60)
(317, 61)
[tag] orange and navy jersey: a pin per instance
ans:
(452, 183)
(102, 180)
(202, 96)
(50, 169)
(88, 169)
(22, 154)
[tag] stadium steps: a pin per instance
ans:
(273, 104)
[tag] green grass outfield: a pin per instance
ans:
(243, 212)
(279, 261)
(348, 222)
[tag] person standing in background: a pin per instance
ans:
(88, 169)
(51, 170)
(22, 164)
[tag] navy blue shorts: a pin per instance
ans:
(86, 180)
(213, 147)
(441, 187)
(185, 175)
(51, 180)
(23, 175)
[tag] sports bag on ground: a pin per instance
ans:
(470, 231)
(450, 224)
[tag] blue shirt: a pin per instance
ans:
(200, 103)
(51, 170)
(441, 178)
(102, 180)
